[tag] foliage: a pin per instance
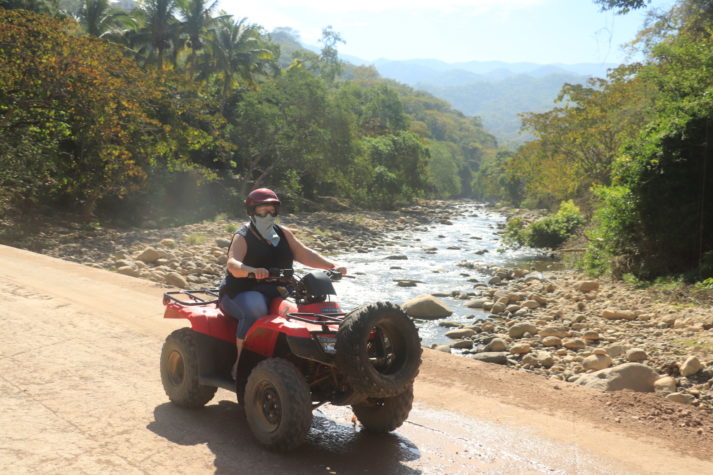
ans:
(549, 232)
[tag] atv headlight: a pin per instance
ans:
(328, 342)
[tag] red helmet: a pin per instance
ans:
(260, 196)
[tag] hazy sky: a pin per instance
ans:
(540, 31)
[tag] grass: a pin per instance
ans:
(195, 238)
(697, 343)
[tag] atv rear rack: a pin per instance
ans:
(196, 300)
(318, 318)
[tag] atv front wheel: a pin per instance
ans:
(378, 350)
(179, 371)
(384, 415)
(277, 404)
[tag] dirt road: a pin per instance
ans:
(80, 393)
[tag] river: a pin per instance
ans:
(430, 255)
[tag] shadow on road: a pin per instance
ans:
(331, 447)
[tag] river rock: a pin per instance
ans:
(587, 285)
(551, 341)
(149, 255)
(129, 270)
(462, 344)
(497, 357)
(512, 308)
(596, 362)
(460, 333)
(498, 307)
(590, 336)
(496, 344)
(681, 398)
(520, 348)
(223, 242)
(531, 304)
(475, 303)
(442, 348)
(519, 329)
(559, 332)
(426, 307)
(545, 359)
(617, 349)
(611, 314)
(633, 376)
(636, 354)
(691, 366)
(449, 324)
(665, 384)
(176, 280)
(574, 344)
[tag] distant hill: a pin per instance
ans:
(495, 91)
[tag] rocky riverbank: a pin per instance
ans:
(560, 324)
(600, 333)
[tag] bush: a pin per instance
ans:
(549, 232)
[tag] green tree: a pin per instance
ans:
(99, 18)
(330, 65)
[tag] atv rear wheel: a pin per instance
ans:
(378, 350)
(384, 415)
(179, 371)
(277, 404)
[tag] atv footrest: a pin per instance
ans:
(218, 382)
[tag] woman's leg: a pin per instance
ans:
(246, 308)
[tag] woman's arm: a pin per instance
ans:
(309, 257)
(236, 254)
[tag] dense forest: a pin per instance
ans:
(177, 109)
(634, 151)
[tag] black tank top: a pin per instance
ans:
(259, 254)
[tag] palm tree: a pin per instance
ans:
(235, 53)
(99, 18)
(196, 15)
(158, 32)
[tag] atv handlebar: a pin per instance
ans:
(288, 275)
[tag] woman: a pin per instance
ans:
(256, 247)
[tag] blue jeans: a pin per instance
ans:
(247, 307)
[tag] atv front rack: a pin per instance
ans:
(193, 295)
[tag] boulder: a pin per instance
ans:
(610, 314)
(496, 344)
(223, 242)
(519, 329)
(426, 307)
(665, 384)
(462, 344)
(574, 344)
(681, 398)
(559, 332)
(460, 333)
(497, 357)
(691, 366)
(596, 362)
(520, 348)
(129, 270)
(587, 285)
(633, 376)
(617, 349)
(636, 354)
(176, 280)
(498, 307)
(551, 341)
(531, 304)
(590, 336)
(149, 255)
(475, 303)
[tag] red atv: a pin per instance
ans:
(304, 353)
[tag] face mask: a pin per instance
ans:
(265, 225)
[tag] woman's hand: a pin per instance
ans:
(260, 273)
(341, 269)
